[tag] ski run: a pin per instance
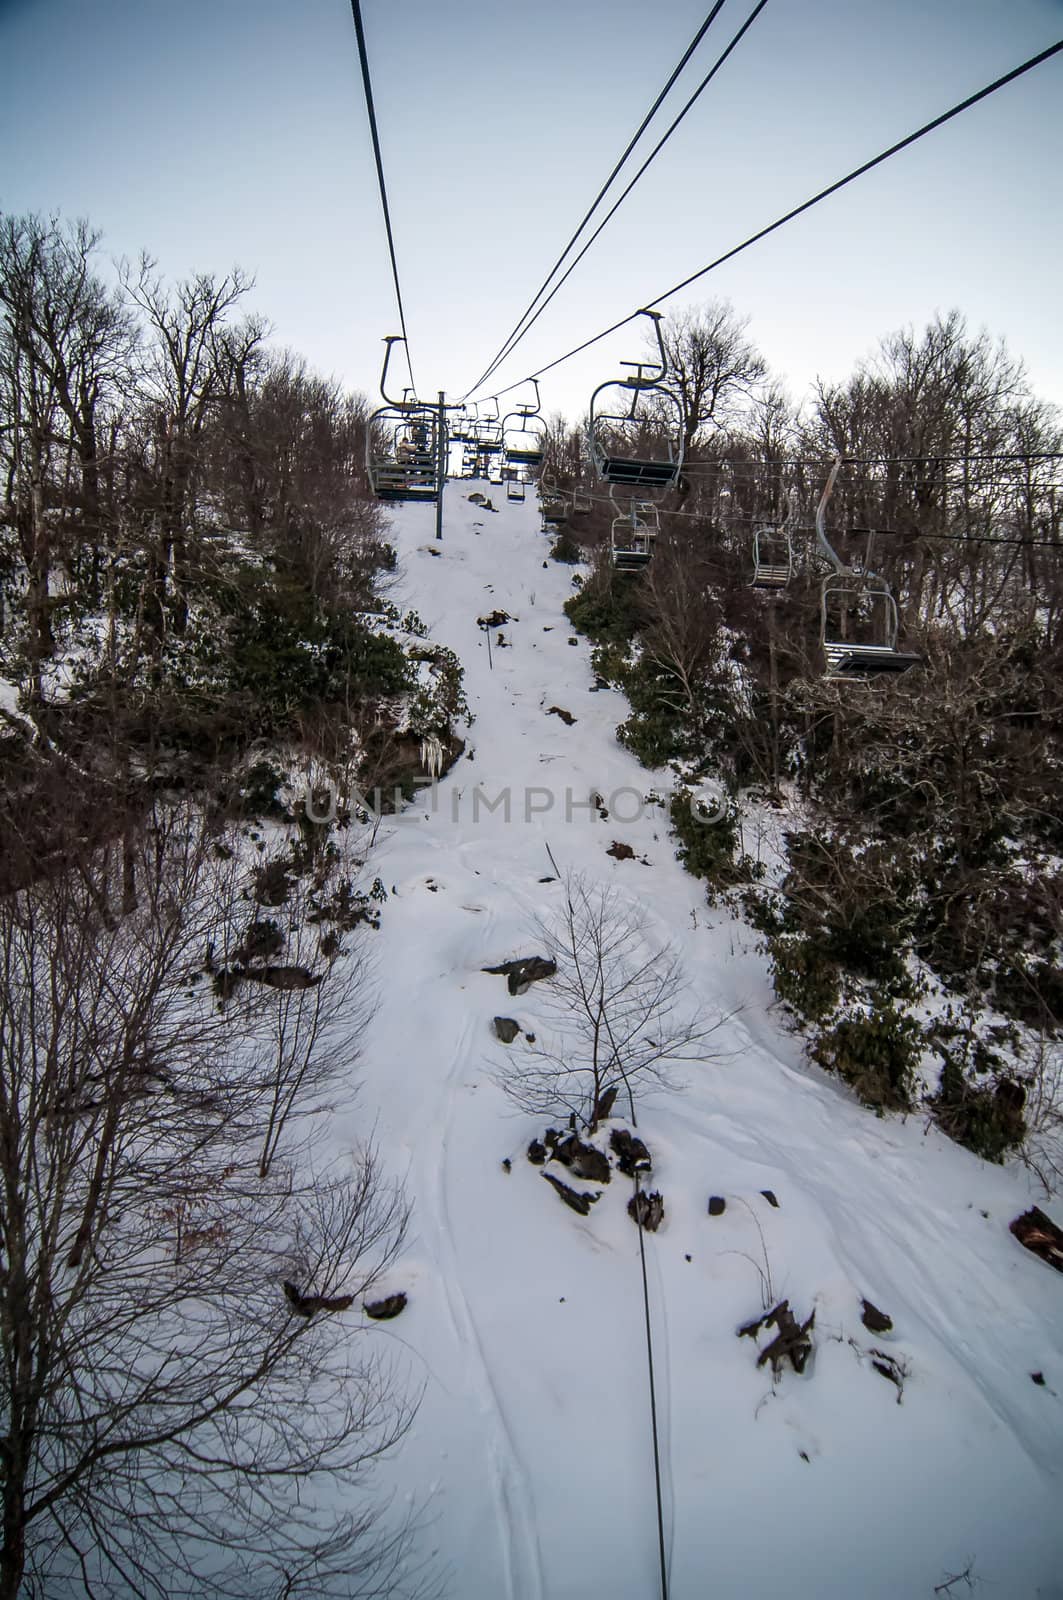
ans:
(530, 1460)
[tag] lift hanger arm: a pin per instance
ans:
(404, 404)
(638, 381)
(821, 520)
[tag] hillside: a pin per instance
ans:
(532, 1448)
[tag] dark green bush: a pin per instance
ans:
(1031, 991)
(257, 793)
(804, 976)
(763, 910)
(610, 661)
(858, 905)
(877, 1055)
(978, 1103)
(286, 653)
(566, 549)
(654, 735)
(608, 615)
(709, 848)
(985, 1117)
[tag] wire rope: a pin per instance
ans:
(806, 205)
(654, 153)
(367, 84)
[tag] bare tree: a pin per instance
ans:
(1043, 1147)
(65, 339)
(187, 1399)
(615, 1019)
(297, 975)
(682, 633)
(713, 367)
(291, 446)
(186, 371)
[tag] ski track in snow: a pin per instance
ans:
(512, 1489)
(531, 1321)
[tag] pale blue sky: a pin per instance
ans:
(221, 131)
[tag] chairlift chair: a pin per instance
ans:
(524, 433)
(582, 503)
(616, 433)
(402, 445)
(398, 467)
(515, 490)
(552, 502)
(773, 554)
(862, 601)
(486, 432)
(487, 437)
(633, 534)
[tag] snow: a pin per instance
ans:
(9, 698)
(10, 707)
(532, 1450)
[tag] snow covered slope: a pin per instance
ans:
(533, 1441)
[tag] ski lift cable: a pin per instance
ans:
(528, 320)
(796, 211)
(367, 84)
(699, 468)
(890, 533)
(599, 197)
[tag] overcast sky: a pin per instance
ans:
(218, 131)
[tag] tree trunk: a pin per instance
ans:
(13, 1549)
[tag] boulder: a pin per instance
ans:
(1040, 1234)
(631, 1154)
(537, 1153)
(791, 1342)
(522, 973)
(305, 1305)
(384, 1310)
(646, 1209)
(717, 1205)
(506, 1029)
(874, 1320)
(281, 977)
(582, 1159)
(580, 1203)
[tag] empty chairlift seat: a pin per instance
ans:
(633, 535)
(634, 426)
(524, 435)
(859, 623)
(552, 503)
(773, 557)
